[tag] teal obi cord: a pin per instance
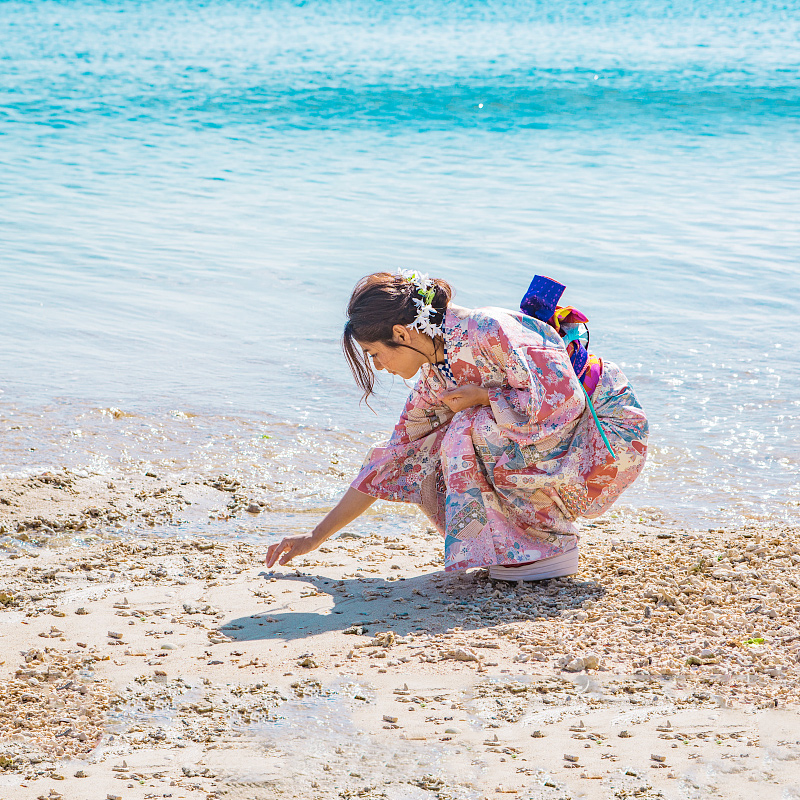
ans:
(597, 422)
(571, 336)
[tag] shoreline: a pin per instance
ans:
(163, 666)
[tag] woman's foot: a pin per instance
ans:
(553, 567)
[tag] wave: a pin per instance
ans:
(575, 101)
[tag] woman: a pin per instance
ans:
(510, 434)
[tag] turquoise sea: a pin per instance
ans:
(189, 191)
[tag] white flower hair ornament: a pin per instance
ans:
(425, 289)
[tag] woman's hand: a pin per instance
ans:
(351, 506)
(291, 547)
(466, 397)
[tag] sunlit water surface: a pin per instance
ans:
(189, 192)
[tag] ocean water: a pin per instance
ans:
(189, 191)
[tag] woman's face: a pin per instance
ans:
(402, 361)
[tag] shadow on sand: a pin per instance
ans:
(433, 602)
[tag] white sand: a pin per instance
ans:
(227, 681)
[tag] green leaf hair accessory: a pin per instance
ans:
(427, 292)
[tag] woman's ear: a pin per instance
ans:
(401, 334)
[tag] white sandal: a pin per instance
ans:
(553, 567)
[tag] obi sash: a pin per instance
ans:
(541, 302)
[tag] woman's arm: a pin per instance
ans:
(352, 505)
(414, 441)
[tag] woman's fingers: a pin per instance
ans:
(453, 399)
(285, 550)
(276, 550)
(289, 553)
(465, 397)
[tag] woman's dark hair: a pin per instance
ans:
(378, 303)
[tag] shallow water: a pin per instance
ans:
(189, 192)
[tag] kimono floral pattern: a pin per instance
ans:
(504, 484)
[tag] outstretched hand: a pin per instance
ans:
(465, 397)
(352, 505)
(290, 547)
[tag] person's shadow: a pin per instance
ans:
(432, 602)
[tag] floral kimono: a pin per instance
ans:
(504, 484)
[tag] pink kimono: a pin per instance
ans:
(504, 484)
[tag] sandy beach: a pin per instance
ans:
(144, 665)
(191, 192)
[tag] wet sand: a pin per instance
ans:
(144, 665)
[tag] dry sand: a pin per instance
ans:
(148, 666)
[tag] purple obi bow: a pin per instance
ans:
(541, 299)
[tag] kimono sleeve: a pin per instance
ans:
(541, 397)
(396, 470)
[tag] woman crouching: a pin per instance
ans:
(511, 433)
